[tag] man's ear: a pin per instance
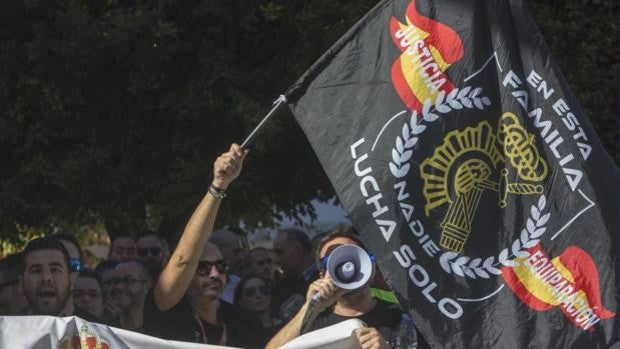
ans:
(72, 279)
(73, 275)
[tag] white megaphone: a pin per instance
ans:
(349, 267)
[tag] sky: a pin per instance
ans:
(329, 216)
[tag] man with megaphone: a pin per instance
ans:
(343, 292)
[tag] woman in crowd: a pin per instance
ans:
(253, 296)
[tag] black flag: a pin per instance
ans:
(468, 166)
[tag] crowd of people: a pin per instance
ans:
(212, 288)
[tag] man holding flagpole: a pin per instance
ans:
(184, 304)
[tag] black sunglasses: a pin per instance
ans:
(154, 251)
(253, 290)
(204, 267)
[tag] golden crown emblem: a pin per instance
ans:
(86, 339)
(469, 162)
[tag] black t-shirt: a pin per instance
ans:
(79, 312)
(117, 323)
(289, 295)
(386, 317)
(83, 314)
(252, 322)
(179, 324)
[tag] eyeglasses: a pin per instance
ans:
(254, 290)
(75, 264)
(154, 251)
(84, 293)
(323, 261)
(204, 267)
(127, 281)
(122, 251)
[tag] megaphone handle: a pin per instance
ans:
(309, 310)
(315, 298)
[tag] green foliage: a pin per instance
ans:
(114, 111)
(583, 39)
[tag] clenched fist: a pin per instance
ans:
(328, 291)
(227, 166)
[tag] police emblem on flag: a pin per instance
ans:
(466, 163)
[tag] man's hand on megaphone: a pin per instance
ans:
(327, 290)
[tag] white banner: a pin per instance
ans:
(48, 332)
(338, 336)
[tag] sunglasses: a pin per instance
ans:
(154, 251)
(254, 290)
(204, 267)
(323, 261)
(75, 264)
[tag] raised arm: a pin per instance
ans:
(329, 294)
(178, 272)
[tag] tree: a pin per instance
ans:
(113, 111)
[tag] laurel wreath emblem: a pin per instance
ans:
(465, 266)
(466, 97)
(450, 261)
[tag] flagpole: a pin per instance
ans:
(276, 105)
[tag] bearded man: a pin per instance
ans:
(47, 281)
(387, 325)
(131, 283)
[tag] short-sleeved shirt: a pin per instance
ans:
(386, 317)
(179, 324)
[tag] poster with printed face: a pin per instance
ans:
(472, 172)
